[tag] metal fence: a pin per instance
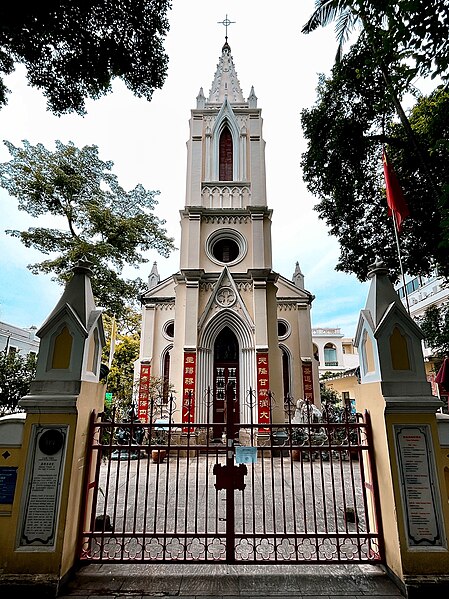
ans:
(299, 491)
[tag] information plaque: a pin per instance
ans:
(245, 455)
(43, 489)
(419, 486)
(8, 479)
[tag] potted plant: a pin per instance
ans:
(159, 437)
(298, 439)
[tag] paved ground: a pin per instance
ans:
(204, 581)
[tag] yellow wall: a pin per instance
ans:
(370, 399)
(400, 559)
(58, 561)
(426, 561)
(344, 383)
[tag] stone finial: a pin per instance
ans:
(298, 277)
(153, 278)
(200, 100)
(252, 98)
(378, 267)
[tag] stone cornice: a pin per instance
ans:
(412, 404)
(49, 404)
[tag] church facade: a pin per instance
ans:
(226, 318)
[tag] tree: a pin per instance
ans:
(329, 396)
(105, 224)
(73, 50)
(435, 327)
(16, 374)
(411, 34)
(120, 380)
(416, 31)
(346, 130)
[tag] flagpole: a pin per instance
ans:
(400, 259)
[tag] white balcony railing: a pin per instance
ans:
(225, 195)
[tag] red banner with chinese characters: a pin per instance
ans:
(188, 394)
(307, 380)
(144, 392)
(263, 386)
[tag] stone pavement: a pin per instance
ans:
(203, 581)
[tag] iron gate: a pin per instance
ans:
(297, 492)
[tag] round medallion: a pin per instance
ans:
(225, 297)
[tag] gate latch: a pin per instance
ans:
(230, 476)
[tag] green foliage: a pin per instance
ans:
(354, 118)
(346, 131)
(104, 224)
(435, 327)
(16, 374)
(327, 375)
(329, 396)
(410, 29)
(73, 50)
(128, 324)
(120, 380)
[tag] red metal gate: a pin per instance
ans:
(292, 492)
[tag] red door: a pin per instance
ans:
(226, 353)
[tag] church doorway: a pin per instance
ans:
(226, 379)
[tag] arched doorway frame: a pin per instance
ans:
(205, 363)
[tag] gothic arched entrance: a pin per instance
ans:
(226, 378)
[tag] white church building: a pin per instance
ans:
(226, 318)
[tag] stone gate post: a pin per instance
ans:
(43, 451)
(408, 457)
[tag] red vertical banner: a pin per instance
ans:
(188, 393)
(307, 381)
(144, 392)
(263, 386)
(433, 384)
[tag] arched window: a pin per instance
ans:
(166, 377)
(399, 351)
(225, 156)
(367, 354)
(285, 372)
(62, 350)
(330, 355)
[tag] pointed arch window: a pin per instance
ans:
(285, 372)
(166, 377)
(225, 156)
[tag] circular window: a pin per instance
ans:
(283, 329)
(169, 329)
(225, 250)
(226, 246)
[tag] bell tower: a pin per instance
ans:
(225, 301)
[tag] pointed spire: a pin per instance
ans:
(200, 99)
(226, 83)
(298, 277)
(252, 98)
(154, 278)
(77, 294)
(381, 293)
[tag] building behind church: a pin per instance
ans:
(226, 319)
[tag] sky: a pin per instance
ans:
(146, 141)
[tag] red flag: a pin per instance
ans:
(442, 378)
(395, 198)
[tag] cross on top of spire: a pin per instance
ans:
(226, 22)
